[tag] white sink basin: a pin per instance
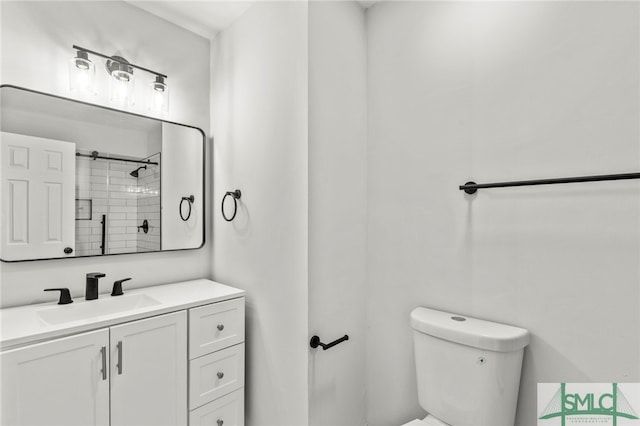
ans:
(90, 309)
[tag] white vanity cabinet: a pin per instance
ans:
(70, 381)
(57, 383)
(176, 362)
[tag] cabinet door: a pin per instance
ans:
(60, 382)
(149, 371)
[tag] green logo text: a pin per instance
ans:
(565, 404)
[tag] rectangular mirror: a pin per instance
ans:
(83, 180)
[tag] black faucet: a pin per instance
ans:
(91, 289)
(65, 296)
(117, 287)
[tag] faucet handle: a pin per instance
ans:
(65, 296)
(95, 275)
(117, 287)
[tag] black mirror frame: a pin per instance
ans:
(204, 167)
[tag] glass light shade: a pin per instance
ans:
(122, 85)
(82, 74)
(159, 96)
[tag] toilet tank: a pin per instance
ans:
(468, 370)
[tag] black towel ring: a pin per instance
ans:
(235, 195)
(190, 199)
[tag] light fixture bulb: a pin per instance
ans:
(82, 74)
(83, 65)
(121, 76)
(122, 83)
(82, 60)
(159, 85)
(159, 96)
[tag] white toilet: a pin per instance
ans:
(467, 369)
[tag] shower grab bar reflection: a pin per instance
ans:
(96, 154)
(472, 187)
(103, 246)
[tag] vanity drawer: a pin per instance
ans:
(225, 411)
(215, 375)
(216, 326)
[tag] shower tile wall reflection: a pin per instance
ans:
(122, 200)
(122, 208)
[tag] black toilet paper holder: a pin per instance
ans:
(315, 342)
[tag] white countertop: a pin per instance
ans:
(23, 325)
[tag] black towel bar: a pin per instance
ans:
(472, 187)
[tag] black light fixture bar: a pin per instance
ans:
(102, 157)
(472, 187)
(119, 61)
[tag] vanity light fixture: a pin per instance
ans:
(122, 81)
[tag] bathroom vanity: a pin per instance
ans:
(163, 355)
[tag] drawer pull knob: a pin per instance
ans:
(220, 327)
(220, 422)
(220, 374)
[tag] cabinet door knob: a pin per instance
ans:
(220, 374)
(220, 327)
(220, 422)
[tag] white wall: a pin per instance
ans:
(495, 91)
(86, 135)
(259, 121)
(36, 40)
(337, 210)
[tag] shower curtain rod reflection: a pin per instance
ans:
(95, 155)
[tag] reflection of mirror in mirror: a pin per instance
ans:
(81, 180)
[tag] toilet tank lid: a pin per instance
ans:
(469, 331)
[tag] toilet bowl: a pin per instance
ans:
(427, 421)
